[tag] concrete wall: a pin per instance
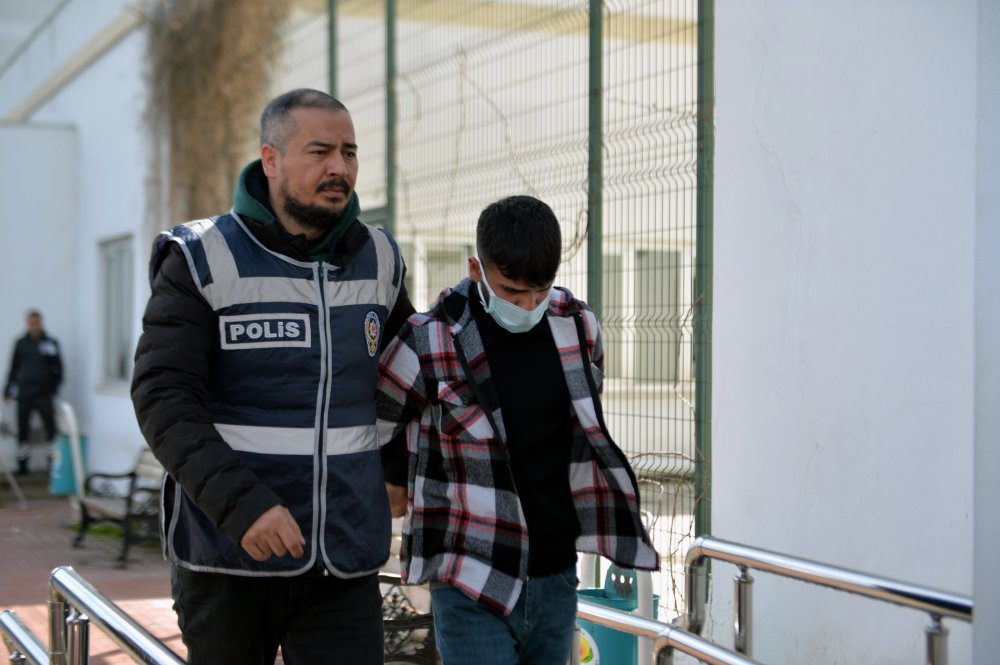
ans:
(85, 71)
(843, 330)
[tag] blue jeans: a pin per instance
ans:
(538, 632)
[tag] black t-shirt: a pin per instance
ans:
(534, 400)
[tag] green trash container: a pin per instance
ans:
(62, 480)
(600, 645)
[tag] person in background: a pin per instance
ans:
(495, 392)
(254, 386)
(36, 371)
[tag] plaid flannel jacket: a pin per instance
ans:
(464, 524)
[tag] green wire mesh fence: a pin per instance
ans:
(457, 103)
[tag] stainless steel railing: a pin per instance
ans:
(938, 604)
(666, 639)
(22, 644)
(73, 605)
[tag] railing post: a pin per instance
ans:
(57, 629)
(937, 642)
(743, 611)
(697, 592)
(664, 652)
(79, 638)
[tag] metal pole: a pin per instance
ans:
(390, 116)
(703, 268)
(23, 645)
(743, 611)
(331, 45)
(595, 162)
(663, 635)
(696, 581)
(933, 601)
(57, 629)
(134, 640)
(644, 600)
(937, 642)
(79, 638)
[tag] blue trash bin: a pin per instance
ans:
(61, 477)
(600, 645)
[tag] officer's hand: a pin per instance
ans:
(397, 499)
(275, 533)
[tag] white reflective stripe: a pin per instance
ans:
(387, 265)
(220, 259)
(259, 289)
(345, 440)
(356, 292)
(297, 440)
(269, 440)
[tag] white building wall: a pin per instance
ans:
(38, 223)
(843, 316)
(85, 71)
(986, 576)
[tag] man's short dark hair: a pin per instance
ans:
(276, 123)
(520, 235)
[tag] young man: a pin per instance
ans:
(511, 467)
(254, 386)
(35, 374)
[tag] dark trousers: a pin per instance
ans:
(43, 405)
(226, 619)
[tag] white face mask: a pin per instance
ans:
(509, 316)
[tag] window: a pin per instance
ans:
(116, 274)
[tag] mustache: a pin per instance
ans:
(333, 184)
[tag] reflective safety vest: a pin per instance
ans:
(291, 388)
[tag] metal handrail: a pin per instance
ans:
(666, 638)
(66, 586)
(937, 603)
(21, 642)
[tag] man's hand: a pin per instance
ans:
(275, 533)
(397, 499)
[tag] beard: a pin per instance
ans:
(312, 215)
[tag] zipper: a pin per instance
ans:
(323, 319)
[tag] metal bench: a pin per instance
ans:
(135, 508)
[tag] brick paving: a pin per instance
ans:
(36, 540)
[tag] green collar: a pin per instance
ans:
(252, 201)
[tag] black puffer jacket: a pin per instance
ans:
(35, 367)
(173, 363)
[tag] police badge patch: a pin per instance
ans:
(373, 330)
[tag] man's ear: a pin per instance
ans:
(475, 269)
(270, 158)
